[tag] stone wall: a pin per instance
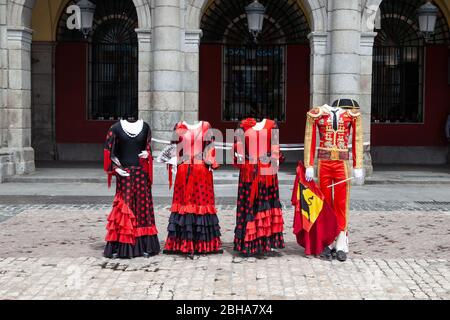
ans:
(169, 37)
(410, 155)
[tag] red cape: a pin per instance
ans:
(324, 230)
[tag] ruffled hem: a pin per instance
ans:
(145, 231)
(144, 245)
(174, 245)
(264, 224)
(259, 246)
(121, 223)
(268, 205)
(194, 209)
(193, 227)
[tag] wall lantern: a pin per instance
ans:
(427, 15)
(255, 18)
(87, 10)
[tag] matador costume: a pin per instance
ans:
(336, 126)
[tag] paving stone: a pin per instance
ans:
(54, 252)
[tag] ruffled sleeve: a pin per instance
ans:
(108, 154)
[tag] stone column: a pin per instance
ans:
(345, 34)
(191, 74)
(167, 73)
(346, 80)
(3, 76)
(144, 73)
(365, 99)
(3, 73)
(6, 165)
(18, 109)
(319, 68)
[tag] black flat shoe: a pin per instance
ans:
(115, 256)
(146, 255)
(190, 256)
(333, 253)
(327, 253)
(273, 253)
(341, 256)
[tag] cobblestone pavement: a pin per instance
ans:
(223, 277)
(9, 210)
(54, 252)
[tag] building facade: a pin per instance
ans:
(170, 60)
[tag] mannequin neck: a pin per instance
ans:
(332, 109)
(192, 126)
(260, 125)
(132, 127)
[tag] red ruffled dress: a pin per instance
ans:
(131, 229)
(193, 224)
(259, 218)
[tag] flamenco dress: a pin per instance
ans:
(131, 229)
(259, 217)
(193, 224)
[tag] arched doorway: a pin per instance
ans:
(266, 79)
(410, 84)
(96, 79)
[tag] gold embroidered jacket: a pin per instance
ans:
(334, 140)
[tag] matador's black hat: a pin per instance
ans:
(346, 104)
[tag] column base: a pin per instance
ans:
(448, 152)
(368, 167)
(16, 161)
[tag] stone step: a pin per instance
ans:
(223, 176)
(31, 179)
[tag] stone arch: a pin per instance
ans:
(314, 10)
(20, 13)
(19, 38)
(372, 6)
(369, 13)
(144, 13)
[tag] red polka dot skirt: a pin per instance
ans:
(131, 229)
(259, 227)
(193, 224)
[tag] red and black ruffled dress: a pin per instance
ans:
(131, 229)
(259, 219)
(193, 224)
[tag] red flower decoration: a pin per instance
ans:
(248, 123)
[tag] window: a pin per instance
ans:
(398, 63)
(397, 91)
(253, 82)
(113, 59)
(113, 74)
(253, 74)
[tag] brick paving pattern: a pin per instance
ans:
(54, 252)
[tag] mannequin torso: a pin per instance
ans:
(132, 139)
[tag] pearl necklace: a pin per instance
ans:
(132, 135)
